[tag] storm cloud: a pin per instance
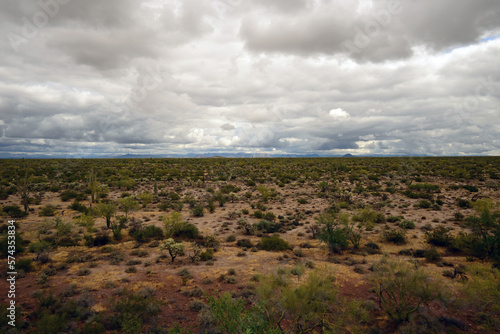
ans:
(88, 77)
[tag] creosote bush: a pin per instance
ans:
(176, 227)
(306, 305)
(333, 232)
(440, 236)
(274, 243)
(483, 288)
(402, 288)
(395, 236)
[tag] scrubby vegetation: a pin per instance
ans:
(358, 245)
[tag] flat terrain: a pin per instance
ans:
(234, 204)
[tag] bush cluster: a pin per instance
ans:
(274, 244)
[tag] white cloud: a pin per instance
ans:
(338, 113)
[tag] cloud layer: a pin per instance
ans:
(82, 77)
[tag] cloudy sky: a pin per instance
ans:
(94, 77)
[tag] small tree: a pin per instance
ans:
(174, 248)
(333, 232)
(402, 288)
(314, 229)
(486, 231)
(107, 210)
(353, 229)
(173, 222)
(86, 221)
(39, 248)
(220, 197)
(265, 193)
(307, 306)
(128, 204)
(146, 197)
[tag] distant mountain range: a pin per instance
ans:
(194, 155)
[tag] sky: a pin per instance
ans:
(329, 77)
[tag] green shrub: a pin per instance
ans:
(366, 216)
(463, 203)
(198, 211)
(49, 323)
(187, 230)
(229, 188)
(184, 273)
(245, 243)
(458, 216)
(77, 206)
(395, 236)
(211, 241)
(131, 270)
(64, 228)
(402, 289)
(14, 211)
(394, 219)
(269, 216)
(407, 224)
(305, 305)
(258, 214)
(207, 255)
(25, 264)
(230, 279)
(274, 243)
(176, 227)
(230, 316)
(196, 305)
(462, 242)
(146, 234)
(380, 218)
(333, 233)
(485, 227)
(432, 255)
(68, 194)
(47, 211)
(423, 204)
(101, 238)
(483, 288)
(266, 226)
(131, 312)
(472, 189)
(4, 244)
(425, 187)
(372, 248)
(93, 327)
(440, 236)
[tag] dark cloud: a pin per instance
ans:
(105, 50)
(227, 127)
(379, 31)
(92, 13)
